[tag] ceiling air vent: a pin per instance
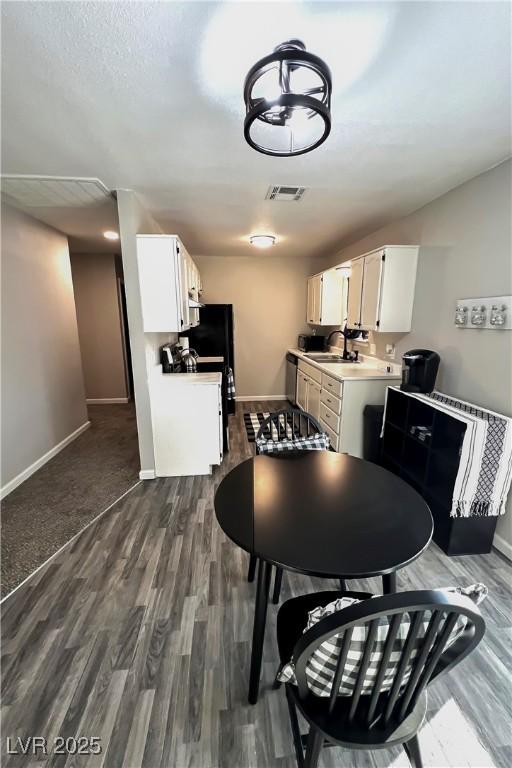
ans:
(50, 191)
(289, 194)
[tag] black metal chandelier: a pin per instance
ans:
(288, 100)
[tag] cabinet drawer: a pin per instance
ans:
(330, 418)
(333, 437)
(331, 401)
(331, 385)
(311, 371)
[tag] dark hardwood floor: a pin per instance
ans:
(139, 633)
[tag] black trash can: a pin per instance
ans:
(372, 425)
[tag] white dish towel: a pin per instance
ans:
(485, 469)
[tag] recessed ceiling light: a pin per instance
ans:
(111, 235)
(262, 241)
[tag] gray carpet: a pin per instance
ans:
(49, 508)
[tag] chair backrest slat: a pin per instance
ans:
(403, 663)
(386, 654)
(365, 662)
(340, 665)
(419, 662)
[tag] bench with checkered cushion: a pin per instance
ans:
(321, 665)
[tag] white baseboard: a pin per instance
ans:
(503, 546)
(19, 479)
(147, 474)
(106, 400)
(248, 398)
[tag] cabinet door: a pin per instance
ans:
(317, 299)
(310, 311)
(371, 292)
(182, 272)
(313, 399)
(355, 287)
(302, 391)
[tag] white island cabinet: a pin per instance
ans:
(186, 412)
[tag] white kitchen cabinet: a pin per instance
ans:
(381, 289)
(314, 308)
(166, 276)
(355, 288)
(302, 390)
(313, 399)
(327, 297)
(186, 412)
(309, 388)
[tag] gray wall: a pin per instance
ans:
(465, 239)
(43, 398)
(134, 220)
(268, 293)
(99, 325)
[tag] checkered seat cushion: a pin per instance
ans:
(321, 666)
(316, 442)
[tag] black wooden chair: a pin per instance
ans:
(373, 715)
(277, 427)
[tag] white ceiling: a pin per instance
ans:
(148, 96)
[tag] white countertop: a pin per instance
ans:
(186, 378)
(347, 371)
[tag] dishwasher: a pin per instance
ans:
(291, 378)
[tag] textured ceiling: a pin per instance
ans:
(148, 96)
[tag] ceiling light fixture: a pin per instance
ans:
(111, 235)
(288, 101)
(262, 241)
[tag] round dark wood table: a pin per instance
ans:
(323, 514)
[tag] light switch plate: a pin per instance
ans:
(390, 351)
(488, 302)
(373, 349)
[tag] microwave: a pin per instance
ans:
(309, 343)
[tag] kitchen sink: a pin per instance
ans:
(330, 359)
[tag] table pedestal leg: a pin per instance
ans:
(389, 583)
(258, 634)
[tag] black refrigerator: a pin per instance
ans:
(213, 337)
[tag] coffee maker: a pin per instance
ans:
(419, 370)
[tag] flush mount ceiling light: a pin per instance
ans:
(262, 241)
(288, 100)
(111, 235)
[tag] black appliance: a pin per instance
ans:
(311, 343)
(213, 337)
(419, 370)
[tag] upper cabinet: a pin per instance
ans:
(168, 279)
(327, 297)
(381, 289)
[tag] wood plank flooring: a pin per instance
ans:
(139, 633)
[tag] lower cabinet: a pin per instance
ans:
(186, 412)
(339, 405)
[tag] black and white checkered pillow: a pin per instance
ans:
(321, 666)
(317, 442)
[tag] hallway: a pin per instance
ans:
(62, 497)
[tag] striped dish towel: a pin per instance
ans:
(485, 468)
(230, 389)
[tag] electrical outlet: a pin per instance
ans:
(373, 349)
(390, 351)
